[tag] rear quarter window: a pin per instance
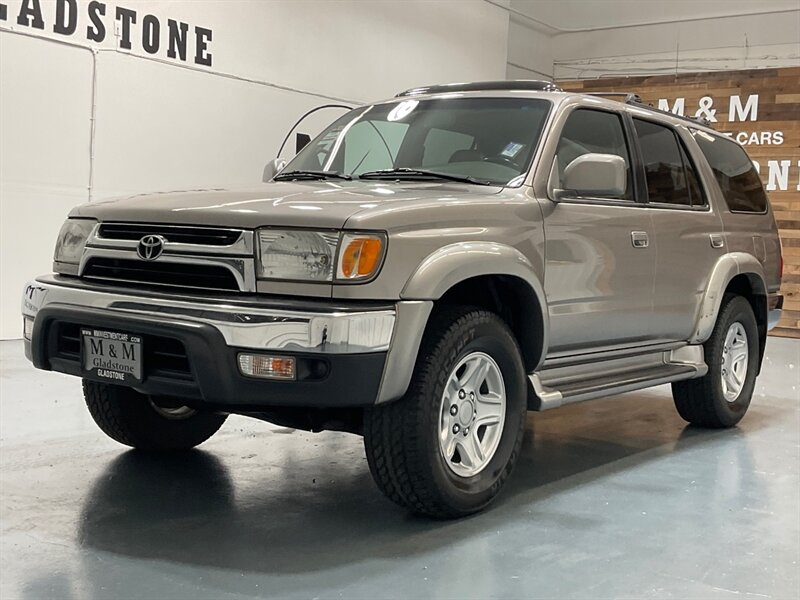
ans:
(735, 173)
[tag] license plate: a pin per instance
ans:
(116, 357)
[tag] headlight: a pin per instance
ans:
(312, 255)
(299, 255)
(71, 240)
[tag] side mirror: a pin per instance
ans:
(272, 168)
(593, 175)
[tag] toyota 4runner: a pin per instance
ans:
(422, 273)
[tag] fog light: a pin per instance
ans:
(268, 367)
(27, 327)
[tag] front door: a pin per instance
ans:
(599, 252)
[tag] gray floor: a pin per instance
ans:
(615, 498)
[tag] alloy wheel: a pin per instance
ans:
(473, 410)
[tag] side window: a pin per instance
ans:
(443, 146)
(735, 174)
(671, 177)
(595, 131)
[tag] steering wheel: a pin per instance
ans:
(500, 159)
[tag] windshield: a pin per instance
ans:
(488, 140)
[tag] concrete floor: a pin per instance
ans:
(614, 498)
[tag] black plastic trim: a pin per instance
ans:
(324, 380)
(775, 302)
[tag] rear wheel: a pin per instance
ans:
(722, 396)
(446, 448)
(147, 422)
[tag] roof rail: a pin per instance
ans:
(629, 97)
(532, 85)
(693, 120)
(635, 100)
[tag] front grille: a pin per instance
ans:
(163, 356)
(161, 273)
(207, 236)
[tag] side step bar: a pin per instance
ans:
(576, 381)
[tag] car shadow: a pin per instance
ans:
(191, 508)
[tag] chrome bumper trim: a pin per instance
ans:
(254, 328)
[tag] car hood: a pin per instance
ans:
(315, 204)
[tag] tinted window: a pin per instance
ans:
(671, 177)
(735, 174)
(593, 131)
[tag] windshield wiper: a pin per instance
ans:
(310, 175)
(407, 173)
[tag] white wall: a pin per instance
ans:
(718, 44)
(162, 124)
(582, 39)
(530, 51)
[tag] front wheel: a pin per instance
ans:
(145, 422)
(721, 398)
(447, 447)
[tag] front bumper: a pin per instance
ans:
(341, 350)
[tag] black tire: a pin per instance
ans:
(130, 418)
(401, 438)
(702, 401)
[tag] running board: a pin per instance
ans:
(576, 380)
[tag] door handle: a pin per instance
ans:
(640, 239)
(717, 241)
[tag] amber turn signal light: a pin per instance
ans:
(360, 256)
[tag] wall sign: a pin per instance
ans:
(760, 109)
(777, 177)
(98, 22)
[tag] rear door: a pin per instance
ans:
(599, 252)
(688, 232)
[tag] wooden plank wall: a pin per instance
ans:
(778, 111)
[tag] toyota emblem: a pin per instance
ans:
(150, 247)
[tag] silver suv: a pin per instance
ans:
(422, 273)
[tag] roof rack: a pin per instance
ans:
(628, 97)
(636, 100)
(532, 85)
